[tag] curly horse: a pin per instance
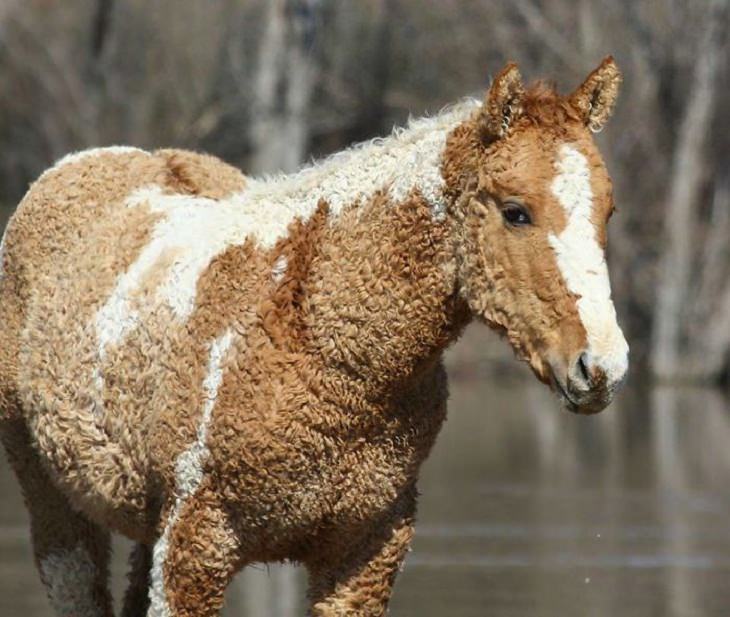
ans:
(231, 370)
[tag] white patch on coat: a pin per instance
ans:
(408, 160)
(188, 473)
(75, 157)
(194, 228)
(582, 263)
(197, 229)
(69, 577)
(279, 269)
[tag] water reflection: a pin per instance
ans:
(526, 510)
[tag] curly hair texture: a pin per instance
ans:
(232, 370)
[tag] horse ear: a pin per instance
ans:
(596, 97)
(503, 102)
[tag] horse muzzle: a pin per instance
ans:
(588, 383)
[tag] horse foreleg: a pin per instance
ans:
(193, 560)
(361, 582)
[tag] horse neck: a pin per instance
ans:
(369, 262)
(379, 293)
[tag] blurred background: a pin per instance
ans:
(526, 510)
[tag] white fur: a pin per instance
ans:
(69, 579)
(197, 229)
(582, 263)
(279, 269)
(188, 473)
(75, 157)
(408, 160)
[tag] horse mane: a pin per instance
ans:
(543, 106)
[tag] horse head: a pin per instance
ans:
(532, 200)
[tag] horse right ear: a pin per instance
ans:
(596, 97)
(503, 103)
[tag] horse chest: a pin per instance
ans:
(298, 478)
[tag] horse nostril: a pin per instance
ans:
(583, 368)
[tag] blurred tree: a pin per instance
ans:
(267, 84)
(282, 86)
(683, 262)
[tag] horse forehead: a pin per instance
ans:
(579, 244)
(525, 166)
(571, 184)
(580, 184)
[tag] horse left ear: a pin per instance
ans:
(596, 97)
(503, 103)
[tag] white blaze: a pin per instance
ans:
(582, 263)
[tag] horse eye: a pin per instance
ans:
(516, 214)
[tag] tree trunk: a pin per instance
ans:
(687, 177)
(283, 86)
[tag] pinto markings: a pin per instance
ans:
(582, 263)
(197, 228)
(188, 473)
(378, 299)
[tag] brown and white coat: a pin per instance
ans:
(233, 370)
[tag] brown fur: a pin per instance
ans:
(545, 108)
(200, 174)
(333, 390)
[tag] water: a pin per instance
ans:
(526, 511)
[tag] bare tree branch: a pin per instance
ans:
(100, 27)
(542, 28)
